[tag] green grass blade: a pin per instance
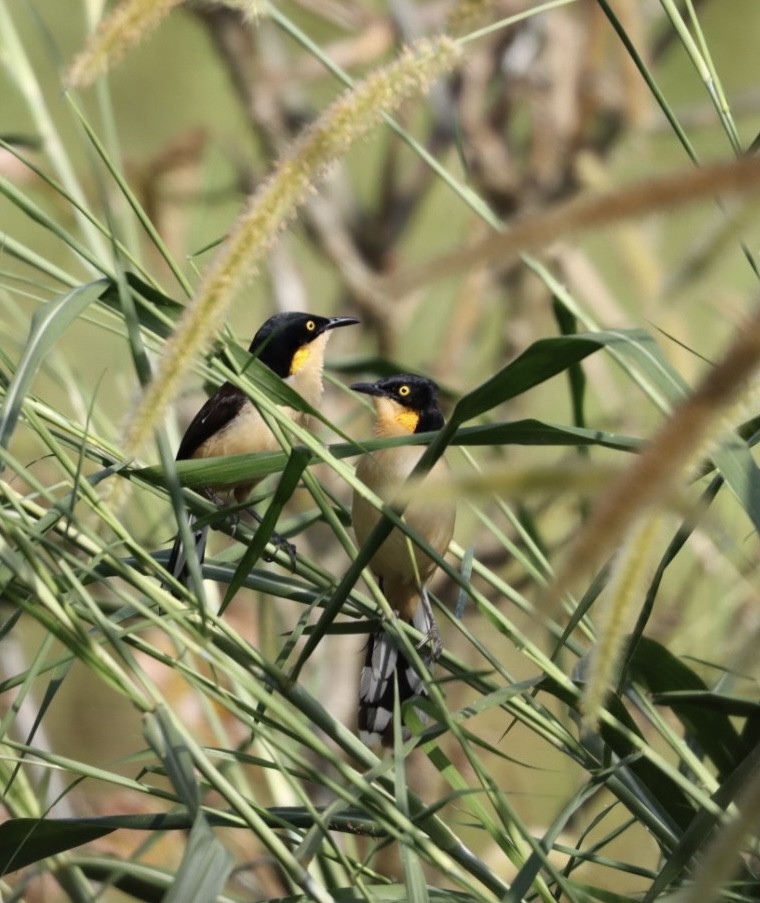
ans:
(26, 841)
(204, 869)
(47, 326)
(291, 476)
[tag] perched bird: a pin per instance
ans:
(403, 405)
(293, 346)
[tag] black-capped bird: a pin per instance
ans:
(293, 346)
(403, 405)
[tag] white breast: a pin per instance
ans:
(385, 472)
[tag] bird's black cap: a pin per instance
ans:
(418, 393)
(278, 339)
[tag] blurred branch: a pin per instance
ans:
(661, 465)
(647, 197)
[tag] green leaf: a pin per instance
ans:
(539, 432)
(297, 462)
(48, 324)
(732, 706)
(701, 831)
(655, 792)
(41, 216)
(205, 867)
(576, 377)
(603, 895)
(392, 893)
(661, 672)
(12, 248)
(548, 357)
(152, 306)
(138, 880)
(238, 468)
(24, 841)
(170, 748)
(542, 360)
(539, 858)
(737, 466)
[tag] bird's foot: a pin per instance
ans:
(219, 500)
(222, 503)
(278, 541)
(282, 545)
(432, 640)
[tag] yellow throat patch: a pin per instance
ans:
(299, 359)
(393, 419)
(408, 420)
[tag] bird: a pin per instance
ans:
(292, 345)
(404, 404)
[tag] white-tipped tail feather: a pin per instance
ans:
(177, 564)
(384, 666)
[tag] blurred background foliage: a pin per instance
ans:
(101, 699)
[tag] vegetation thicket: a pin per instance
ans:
(547, 208)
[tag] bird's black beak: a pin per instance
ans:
(335, 322)
(368, 389)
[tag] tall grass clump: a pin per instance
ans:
(548, 208)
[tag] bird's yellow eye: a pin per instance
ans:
(310, 325)
(404, 391)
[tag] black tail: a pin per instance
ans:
(177, 564)
(377, 685)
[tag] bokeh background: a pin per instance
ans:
(540, 111)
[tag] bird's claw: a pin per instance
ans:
(277, 539)
(282, 545)
(432, 640)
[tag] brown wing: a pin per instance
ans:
(215, 414)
